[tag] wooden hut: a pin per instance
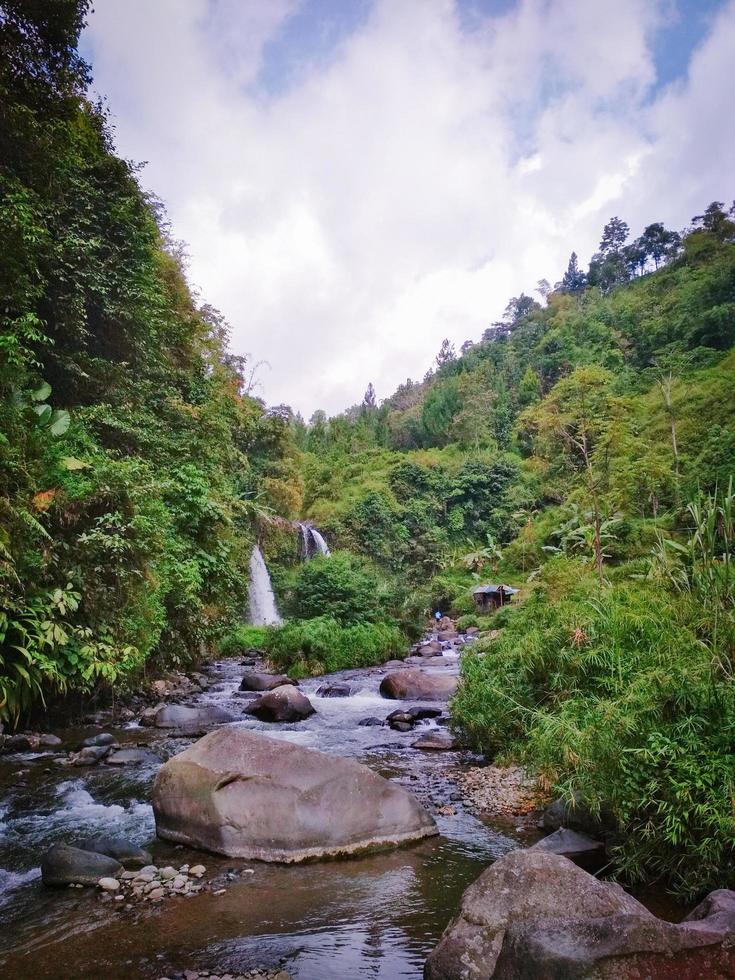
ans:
(488, 598)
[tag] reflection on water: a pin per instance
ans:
(375, 916)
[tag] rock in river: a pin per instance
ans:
(253, 681)
(583, 850)
(283, 704)
(334, 691)
(536, 916)
(242, 794)
(435, 741)
(129, 855)
(65, 865)
(192, 718)
(418, 685)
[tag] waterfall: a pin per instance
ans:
(312, 542)
(263, 609)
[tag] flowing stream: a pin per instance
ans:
(373, 917)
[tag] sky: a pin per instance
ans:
(358, 179)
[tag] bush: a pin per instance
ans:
(323, 645)
(611, 695)
(340, 587)
(244, 638)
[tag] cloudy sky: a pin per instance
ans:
(358, 179)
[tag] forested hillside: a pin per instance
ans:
(130, 461)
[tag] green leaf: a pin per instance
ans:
(42, 393)
(43, 412)
(60, 422)
(72, 463)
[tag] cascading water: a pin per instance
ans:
(312, 542)
(263, 609)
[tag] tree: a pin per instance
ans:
(658, 243)
(614, 236)
(369, 401)
(572, 420)
(573, 280)
(717, 221)
(446, 354)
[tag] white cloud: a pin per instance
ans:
(401, 192)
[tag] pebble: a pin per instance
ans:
(109, 884)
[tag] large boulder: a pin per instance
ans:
(534, 915)
(65, 865)
(244, 795)
(192, 718)
(284, 704)
(418, 685)
(583, 850)
(253, 681)
(129, 855)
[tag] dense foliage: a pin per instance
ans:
(130, 464)
(322, 645)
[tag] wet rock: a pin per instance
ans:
(435, 741)
(65, 865)
(393, 664)
(401, 717)
(432, 649)
(20, 743)
(444, 636)
(370, 723)
(472, 630)
(535, 915)
(420, 711)
(191, 718)
(174, 685)
(583, 850)
(49, 741)
(148, 717)
(401, 726)
(575, 815)
(253, 681)
(89, 756)
(284, 704)
(129, 757)
(244, 795)
(128, 854)
(417, 685)
(104, 738)
(334, 691)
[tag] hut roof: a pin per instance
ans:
(494, 589)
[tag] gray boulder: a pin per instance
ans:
(431, 649)
(253, 681)
(130, 757)
(191, 718)
(284, 704)
(65, 865)
(334, 691)
(534, 915)
(435, 741)
(418, 685)
(241, 794)
(104, 738)
(89, 756)
(583, 850)
(129, 855)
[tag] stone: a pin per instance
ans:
(191, 718)
(432, 649)
(284, 704)
(419, 711)
(49, 741)
(575, 815)
(148, 717)
(64, 865)
(119, 848)
(168, 873)
(197, 870)
(89, 756)
(19, 743)
(583, 850)
(156, 894)
(109, 884)
(242, 794)
(393, 664)
(104, 738)
(435, 741)
(472, 630)
(534, 915)
(370, 723)
(254, 681)
(129, 757)
(418, 685)
(401, 726)
(180, 882)
(400, 717)
(334, 691)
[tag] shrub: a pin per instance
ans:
(323, 645)
(244, 638)
(612, 695)
(340, 587)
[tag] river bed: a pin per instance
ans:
(376, 916)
